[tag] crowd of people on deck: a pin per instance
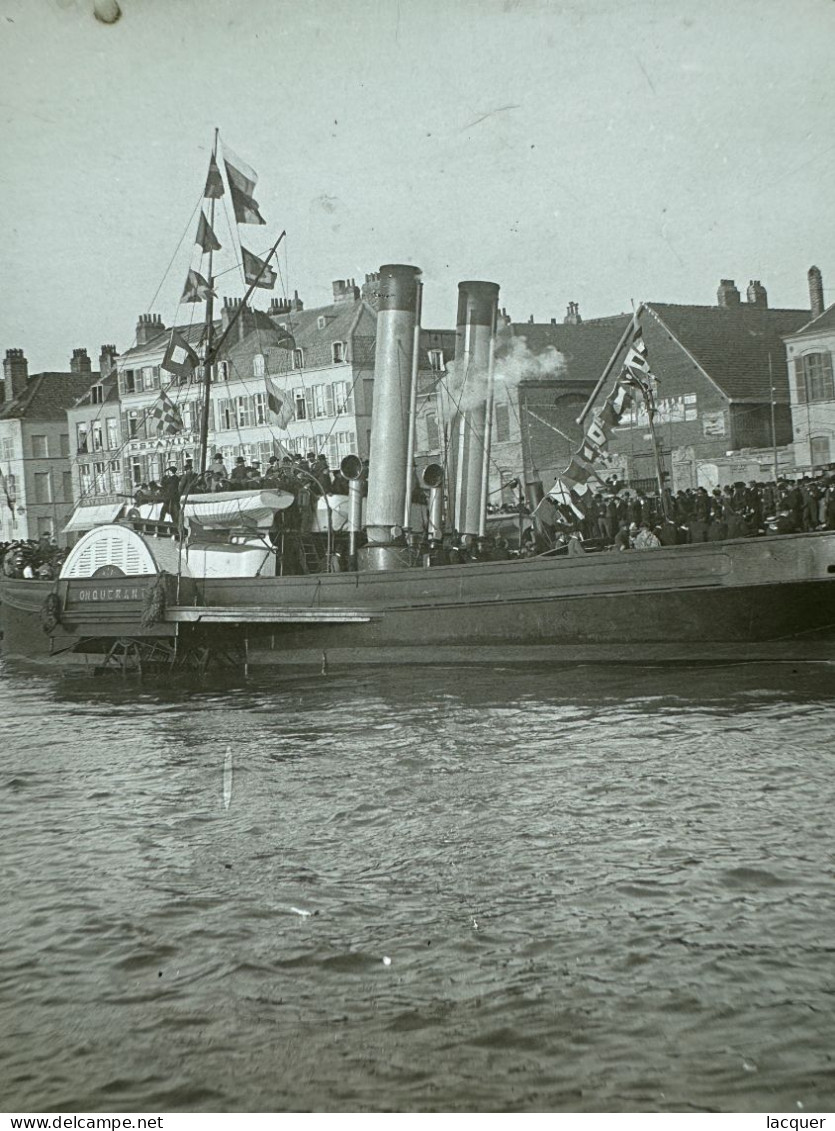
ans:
(622, 519)
(615, 518)
(35, 558)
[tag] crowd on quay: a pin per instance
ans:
(623, 519)
(38, 558)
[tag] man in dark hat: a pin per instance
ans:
(170, 491)
(239, 471)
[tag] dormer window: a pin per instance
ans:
(222, 371)
(258, 365)
(338, 351)
(436, 361)
(321, 321)
(298, 359)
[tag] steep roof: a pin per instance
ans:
(110, 386)
(48, 396)
(820, 325)
(732, 344)
(586, 347)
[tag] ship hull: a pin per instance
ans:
(754, 599)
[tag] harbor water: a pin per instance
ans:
(589, 889)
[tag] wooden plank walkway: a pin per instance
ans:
(266, 614)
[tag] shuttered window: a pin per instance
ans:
(813, 379)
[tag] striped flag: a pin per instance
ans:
(167, 415)
(242, 181)
(635, 365)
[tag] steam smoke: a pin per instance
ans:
(514, 361)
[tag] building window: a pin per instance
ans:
(85, 479)
(244, 412)
(813, 378)
(64, 443)
(321, 322)
(436, 361)
(322, 400)
(133, 425)
(81, 438)
(226, 415)
(258, 365)
(43, 487)
(259, 403)
(502, 434)
(116, 475)
(97, 394)
(98, 442)
(819, 450)
(39, 447)
(127, 381)
(112, 434)
(300, 404)
(221, 372)
(344, 397)
(136, 473)
(298, 359)
(338, 352)
(66, 485)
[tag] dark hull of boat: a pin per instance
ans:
(755, 599)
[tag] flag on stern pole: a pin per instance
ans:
(279, 404)
(167, 415)
(180, 358)
(214, 182)
(196, 289)
(256, 270)
(206, 237)
(242, 181)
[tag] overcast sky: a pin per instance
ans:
(591, 150)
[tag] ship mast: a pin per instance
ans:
(208, 359)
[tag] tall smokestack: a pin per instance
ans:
(387, 481)
(815, 291)
(475, 328)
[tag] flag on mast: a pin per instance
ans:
(242, 181)
(167, 415)
(180, 358)
(196, 289)
(279, 404)
(214, 182)
(256, 271)
(206, 237)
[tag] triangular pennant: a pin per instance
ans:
(214, 182)
(205, 237)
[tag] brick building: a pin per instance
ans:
(722, 385)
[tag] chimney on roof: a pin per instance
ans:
(107, 361)
(345, 290)
(278, 307)
(245, 323)
(370, 292)
(572, 314)
(15, 374)
(757, 294)
(815, 291)
(295, 302)
(80, 362)
(727, 295)
(148, 327)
